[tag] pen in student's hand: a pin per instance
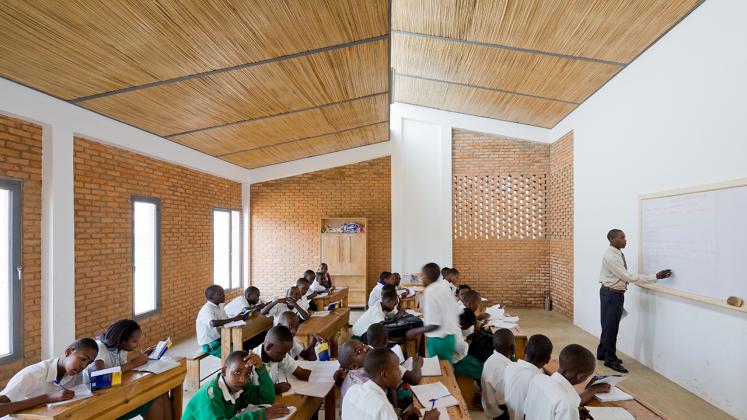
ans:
(433, 403)
(56, 382)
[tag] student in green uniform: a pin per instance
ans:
(231, 391)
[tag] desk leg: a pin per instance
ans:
(177, 396)
(237, 338)
(330, 405)
(225, 344)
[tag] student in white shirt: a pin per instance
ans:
(554, 397)
(451, 275)
(492, 380)
(384, 278)
(247, 301)
(119, 339)
(378, 312)
(291, 320)
(368, 400)
(210, 317)
(465, 363)
(378, 338)
(49, 380)
(518, 375)
(304, 302)
(440, 315)
(289, 303)
(274, 353)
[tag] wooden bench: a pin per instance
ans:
(468, 388)
(193, 378)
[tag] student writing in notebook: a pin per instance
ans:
(291, 320)
(274, 353)
(304, 302)
(493, 374)
(377, 338)
(118, 346)
(210, 317)
(289, 303)
(49, 380)
(231, 391)
(247, 301)
(320, 284)
(518, 375)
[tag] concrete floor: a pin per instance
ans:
(670, 398)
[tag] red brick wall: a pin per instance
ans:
(105, 180)
(286, 217)
(499, 214)
(20, 159)
(560, 217)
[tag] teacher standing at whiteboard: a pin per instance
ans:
(615, 278)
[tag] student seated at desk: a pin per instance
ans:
(274, 352)
(49, 380)
(310, 276)
(351, 357)
(115, 343)
(320, 284)
(303, 286)
(231, 391)
(291, 320)
(461, 290)
(554, 397)
(248, 301)
(493, 399)
(471, 299)
(451, 275)
(324, 270)
(465, 363)
(380, 311)
(384, 278)
(369, 400)
(377, 338)
(286, 304)
(440, 315)
(210, 317)
(518, 375)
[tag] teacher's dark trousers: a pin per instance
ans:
(611, 305)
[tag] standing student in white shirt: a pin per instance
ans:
(440, 315)
(49, 380)
(493, 373)
(614, 277)
(210, 317)
(376, 313)
(518, 375)
(120, 339)
(246, 301)
(554, 397)
(274, 353)
(368, 400)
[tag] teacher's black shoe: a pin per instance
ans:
(616, 366)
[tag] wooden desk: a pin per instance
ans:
(236, 336)
(340, 294)
(137, 389)
(327, 327)
(520, 342)
(449, 380)
(637, 407)
(307, 407)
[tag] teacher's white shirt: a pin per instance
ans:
(615, 275)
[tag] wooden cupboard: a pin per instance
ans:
(345, 256)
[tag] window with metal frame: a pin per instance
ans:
(146, 261)
(227, 248)
(11, 329)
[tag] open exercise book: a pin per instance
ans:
(610, 413)
(430, 366)
(81, 391)
(320, 381)
(250, 408)
(434, 395)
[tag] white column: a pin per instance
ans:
(246, 221)
(58, 241)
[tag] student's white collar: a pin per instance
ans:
(52, 372)
(227, 395)
(502, 357)
(526, 365)
(375, 387)
(567, 386)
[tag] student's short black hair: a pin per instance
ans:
(388, 294)
(503, 341)
(279, 333)
(445, 271)
(538, 350)
(377, 360)
(301, 281)
(376, 333)
(289, 316)
(388, 288)
(612, 233)
(396, 275)
(290, 289)
(454, 271)
(577, 358)
(117, 332)
(212, 290)
(85, 343)
(470, 295)
(346, 354)
(311, 272)
(385, 275)
(251, 289)
(237, 356)
(431, 270)
(467, 317)
(462, 287)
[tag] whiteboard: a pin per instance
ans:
(701, 234)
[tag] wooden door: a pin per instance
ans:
(331, 253)
(356, 262)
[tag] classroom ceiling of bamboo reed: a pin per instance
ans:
(230, 78)
(526, 61)
(259, 82)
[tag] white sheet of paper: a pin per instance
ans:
(615, 394)
(81, 392)
(417, 288)
(414, 312)
(433, 391)
(410, 292)
(610, 413)
(398, 351)
(320, 295)
(320, 371)
(312, 389)
(250, 408)
(157, 366)
(613, 380)
(234, 324)
(319, 314)
(442, 413)
(495, 311)
(431, 367)
(106, 371)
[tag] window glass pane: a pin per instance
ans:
(5, 274)
(235, 249)
(221, 248)
(145, 225)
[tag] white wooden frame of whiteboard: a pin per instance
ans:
(668, 290)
